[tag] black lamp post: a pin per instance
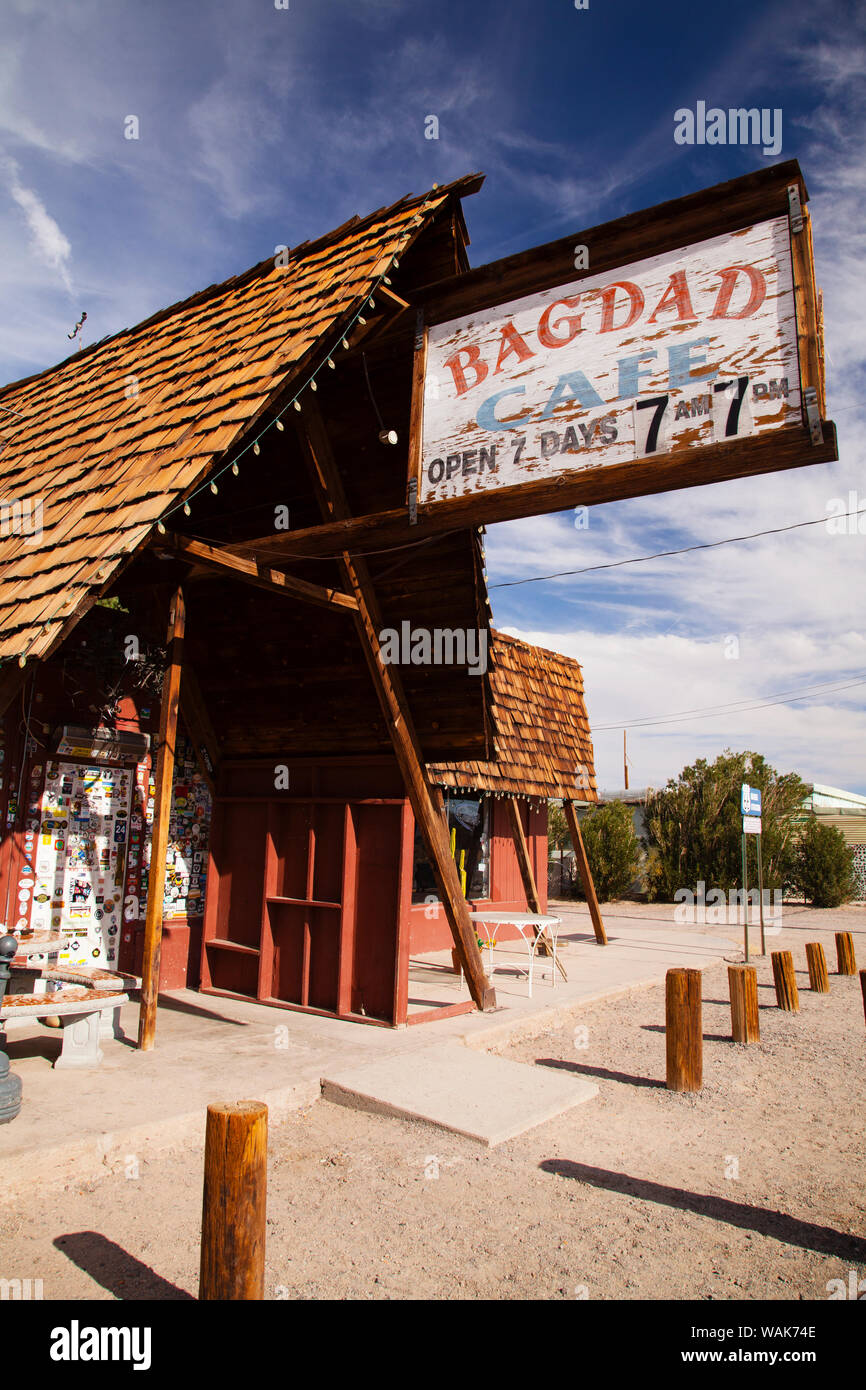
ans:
(10, 1085)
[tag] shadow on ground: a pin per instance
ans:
(776, 1224)
(114, 1269)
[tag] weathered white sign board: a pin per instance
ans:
(696, 346)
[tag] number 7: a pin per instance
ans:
(733, 421)
(660, 403)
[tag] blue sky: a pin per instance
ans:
(261, 126)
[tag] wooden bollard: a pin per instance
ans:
(743, 983)
(817, 963)
(683, 1031)
(845, 962)
(234, 1202)
(785, 981)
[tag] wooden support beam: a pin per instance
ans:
(395, 299)
(529, 885)
(803, 267)
(392, 699)
(165, 754)
(585, 872)
(193, 712)
(767, 452)
(250, 571)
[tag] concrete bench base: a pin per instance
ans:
(84, 1024)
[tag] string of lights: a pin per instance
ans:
(254, 445)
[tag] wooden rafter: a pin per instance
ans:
(392, 698)
(584, 871)
(250, 571)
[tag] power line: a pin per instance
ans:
(663, 554)
(735, 707)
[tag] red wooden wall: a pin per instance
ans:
(307, 890)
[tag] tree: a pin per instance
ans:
(694, 825)
(612, 848)
(823, 865)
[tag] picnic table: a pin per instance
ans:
(533, 927)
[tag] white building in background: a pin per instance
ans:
(847, 812)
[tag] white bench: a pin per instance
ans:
(86, 1015)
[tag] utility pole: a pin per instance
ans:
(624, 762)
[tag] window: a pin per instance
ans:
(468, 827)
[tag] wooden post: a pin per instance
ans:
(234, 1202)
(845, 962)
(585, 872)
(398, 718)
(529, 886)
(161, 812)
(745, 1023)
(683, 1031)
(817, 963)
(785, 981)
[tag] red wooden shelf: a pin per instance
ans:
(304, 902)
(233, 946)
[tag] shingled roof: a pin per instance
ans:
(114, 436)
(543, 742)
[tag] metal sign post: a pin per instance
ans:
(745, 901)
(761, 895)
(750, 806)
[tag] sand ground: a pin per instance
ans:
(750, 1189)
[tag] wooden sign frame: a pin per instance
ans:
(727, 208)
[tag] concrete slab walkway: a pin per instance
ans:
(471, 1093)
(79, 1126)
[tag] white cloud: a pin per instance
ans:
(49, 242)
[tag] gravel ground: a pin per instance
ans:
(750, 1189)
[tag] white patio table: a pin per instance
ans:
(530, 925)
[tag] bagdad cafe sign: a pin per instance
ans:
(661, 370)
(668, 353)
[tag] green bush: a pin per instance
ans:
(694, 825)
(612, 849)
(823, 866)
